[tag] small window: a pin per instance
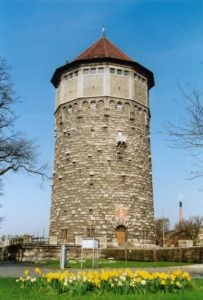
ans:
(93, 105)
(119, 72)
(69, 108)
(60, 120)
(70, 76)
(120, 134)
(75, 74)
(93, 71)
(90, 232)
(135, 76)
(146, 119)
(64, 234)
(126, 73)
(100, 70)
(112, 71)
(119, 106)
(121, 139)
(86, 71)
(65, 77)
(90, 212)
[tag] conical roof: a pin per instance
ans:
(102, 51)
(103, 48)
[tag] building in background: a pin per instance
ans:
(102, 183)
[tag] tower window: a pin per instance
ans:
(112, 71)
(93, 105)
(119, 106)
(100, 70)
(146, 119)
(70, 76)
(93, 71)
(126, 73)
(64, 234)
(86, 71)
(90, 232)
(75, 73)
(120, 135)
(119, 72)
(121, 140)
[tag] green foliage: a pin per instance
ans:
(9, 290)
(115, 281)
(193, 254)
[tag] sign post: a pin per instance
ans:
(90, 244)
(63, 257)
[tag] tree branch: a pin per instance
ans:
(16, 152)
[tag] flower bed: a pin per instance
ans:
(117, 281)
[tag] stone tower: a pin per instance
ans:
(102, 183)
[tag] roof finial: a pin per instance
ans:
(103, 31)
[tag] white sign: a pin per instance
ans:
(201, 236)
(185, 243)
(90, 244)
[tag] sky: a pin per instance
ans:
(37, 36)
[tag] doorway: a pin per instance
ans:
(121, 234)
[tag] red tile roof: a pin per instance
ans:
(101, 49)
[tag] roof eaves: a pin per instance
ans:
(59, 71)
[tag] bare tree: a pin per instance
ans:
(16, 151)
(188, 134)
(189, 229)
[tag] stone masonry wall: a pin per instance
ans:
(98, 183)
(36, 253)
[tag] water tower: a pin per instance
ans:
(102, 183)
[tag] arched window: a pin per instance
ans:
(93, 105)
(100, 104)
(119, 106)
(112, 104)
(69, 108)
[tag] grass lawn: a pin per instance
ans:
(105, 263)
(10, 290)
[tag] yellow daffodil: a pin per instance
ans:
(26, 272)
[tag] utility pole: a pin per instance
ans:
(163, 230)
